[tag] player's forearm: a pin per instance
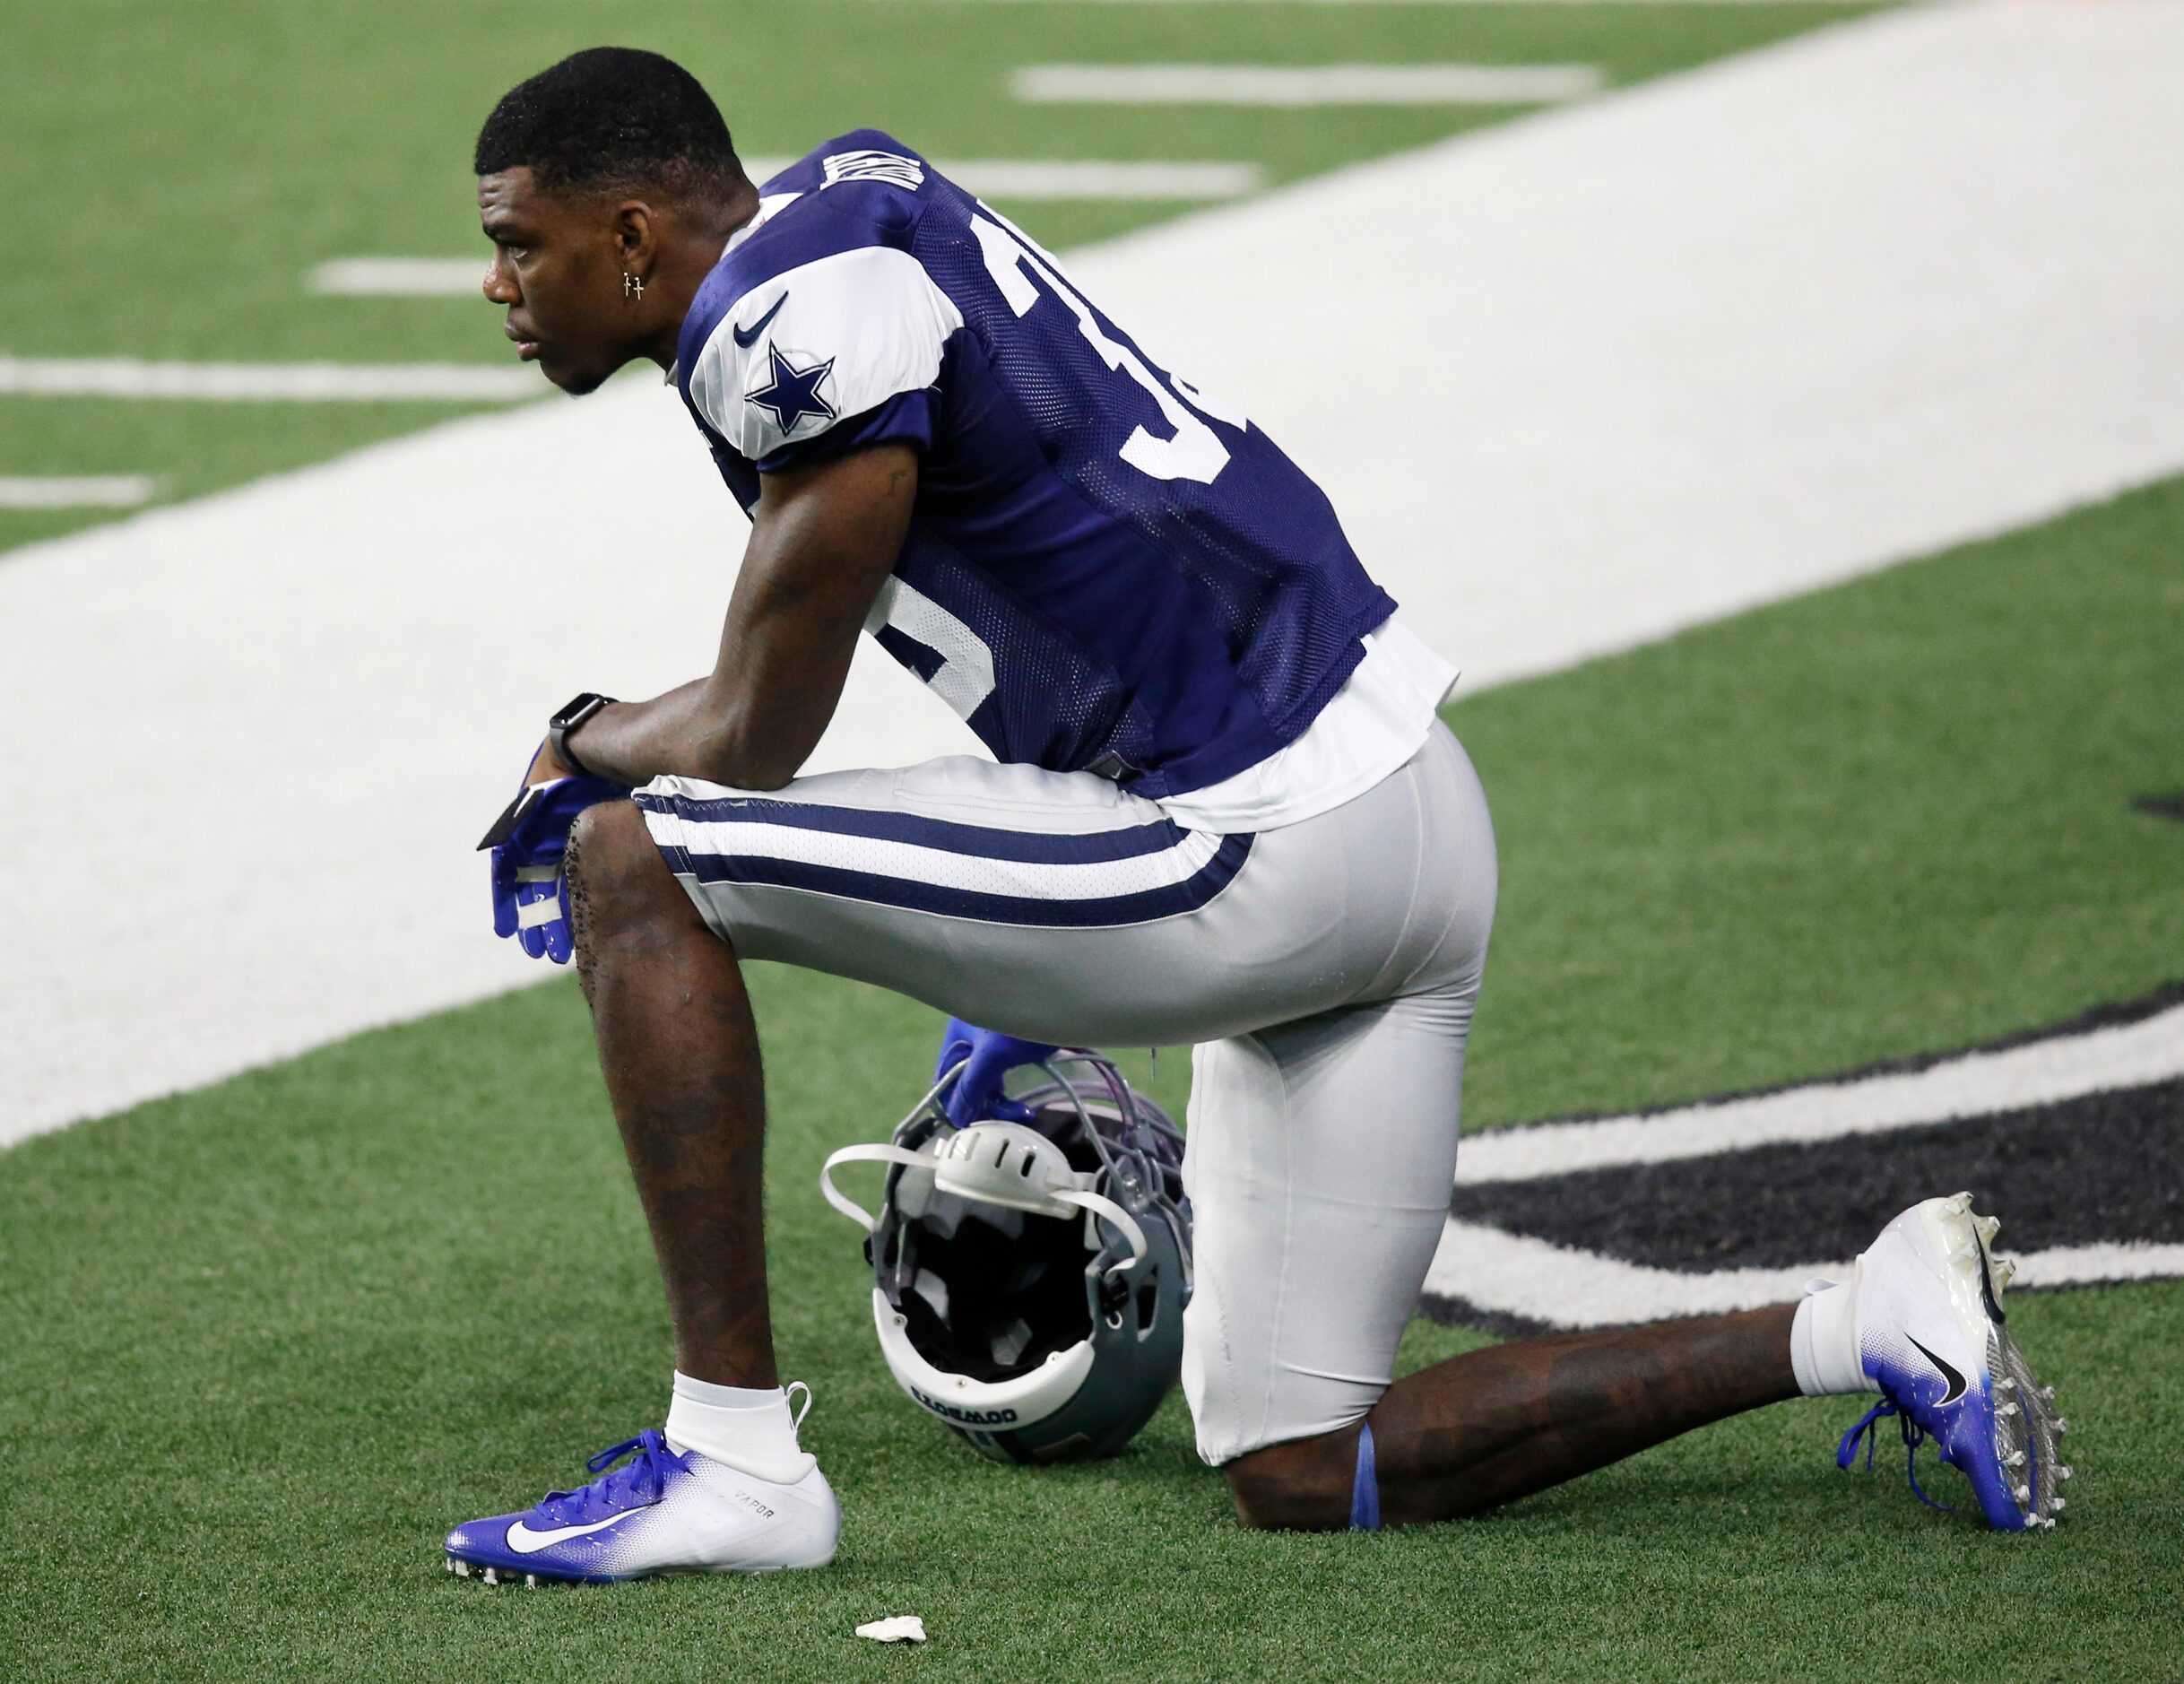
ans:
(688, 732)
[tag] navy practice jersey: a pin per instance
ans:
(1106, 570)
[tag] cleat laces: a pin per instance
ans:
(1868, 1428)
(637, 1483)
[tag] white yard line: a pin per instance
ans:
(1029, 178)
(1513, 1274)
(1299, 85)
(269, 382)
(1979, 1084)
(1606, 372)
(1385, 2)
(1020, 178)
(77, 490)
(398, 277)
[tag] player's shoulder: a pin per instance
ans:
(857, 197)
(819, 310)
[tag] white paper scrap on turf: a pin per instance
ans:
(896, 1628)
(1573, 383)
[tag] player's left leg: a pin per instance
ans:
(1919, 1323)
(1320, 1173)
(1492, 1426)
(1320, 1158)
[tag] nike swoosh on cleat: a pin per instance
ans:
(1955, 1380)
(749, 336)
(527, 1542)
(1986, 1284)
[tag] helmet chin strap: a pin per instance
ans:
(994, 1163)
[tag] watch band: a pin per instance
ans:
(573, 713)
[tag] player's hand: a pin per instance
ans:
(986, 1056)
(529, 843)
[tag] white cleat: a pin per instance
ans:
(657, 1513)
(1933, 1338)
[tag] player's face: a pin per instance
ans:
(557, 271)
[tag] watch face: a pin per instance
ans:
(578, 709)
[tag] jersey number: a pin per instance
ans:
(965, 677)
(1193, 452)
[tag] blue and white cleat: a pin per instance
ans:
(1933, 1338)
(655, 1513)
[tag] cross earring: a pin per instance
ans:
(633, 286)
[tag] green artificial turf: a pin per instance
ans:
(203, 158)
(260, 1345)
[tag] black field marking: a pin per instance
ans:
(2102, 1167)
(2095, 1170)
(2163, 806)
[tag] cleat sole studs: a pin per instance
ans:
(531, 1581)
(2022, 1493)
(462, 1568)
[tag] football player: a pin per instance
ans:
(1221, 809)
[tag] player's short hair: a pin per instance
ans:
(607, 118)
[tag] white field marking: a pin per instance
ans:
(1397, 2)
(77, 490)
(1024, 179)
(1092, 179)
(1297, 85)
(398, 277)
(1979, 1084)
(269, 382)
(1607, 372)
(1559, 1285)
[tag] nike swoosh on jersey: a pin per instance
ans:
(1955, 1380)
(749, 336)
(526, 1542)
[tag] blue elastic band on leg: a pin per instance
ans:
(1364, 1491)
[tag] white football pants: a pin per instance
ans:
(1326, 970)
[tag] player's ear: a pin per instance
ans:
(636, 235)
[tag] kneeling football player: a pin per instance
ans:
(1221, 810)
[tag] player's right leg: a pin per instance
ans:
(727, 1489)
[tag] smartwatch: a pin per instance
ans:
(573, 713)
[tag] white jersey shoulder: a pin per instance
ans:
(818, 343)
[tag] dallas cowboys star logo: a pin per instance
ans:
(795, 392)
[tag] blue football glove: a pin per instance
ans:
(977, 1094)
(529, 842)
